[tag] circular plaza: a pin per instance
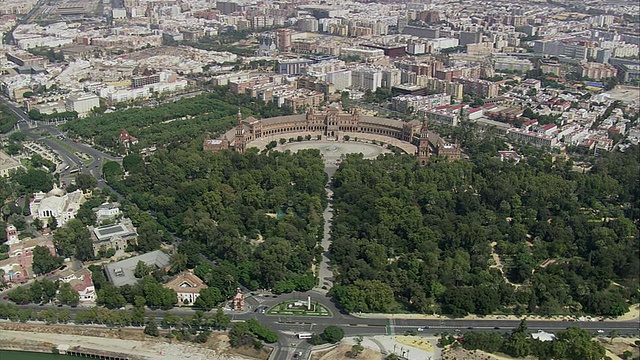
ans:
(332, 151)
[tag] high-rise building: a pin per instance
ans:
(308, 24)
(366, 78)
(227, 7)
(340, 79)
(284, 39)
(423, 146)
(469, 37)
(293, 66)
(82, 103)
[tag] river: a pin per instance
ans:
(23, 355)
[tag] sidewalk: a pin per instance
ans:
(634, 313)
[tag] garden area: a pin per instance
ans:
(299, 308)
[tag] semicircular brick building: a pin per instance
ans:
(334, 123)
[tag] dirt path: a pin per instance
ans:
(499, 266)
(126, 341)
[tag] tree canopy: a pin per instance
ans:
(43, 261)
(74, 240)
(425, 239)
(257, 216)
(174, 122)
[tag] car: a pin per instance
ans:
(469, 327)
(5, 298)
(600, 331)
(457, 330)
(497, 327)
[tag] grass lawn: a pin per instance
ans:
(299, 308)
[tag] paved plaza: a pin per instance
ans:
(331, 151)
(626, 94)
(401, 346)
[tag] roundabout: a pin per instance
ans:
(300, 308)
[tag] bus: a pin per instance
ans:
(66, 168)
(305, 336)
(74, 171)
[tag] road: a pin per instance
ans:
(325, 273)
(287, 327)
(94, 168)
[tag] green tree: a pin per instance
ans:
(261, 331)
(240, 334)
(43, 261)
(26, 211)
(35, 180)
(67, 295)
(74, 240)
(575, 343)
(333, 334)
(17, 136)
(37, 224)
(141, 270)
(133, 163)
(64, 316)
(178, 263)
(365, 296)
(110, 297)
(152, 328)
(85, 181)
(157, 295)
(209, 298)
(111, 171)
(20, 295)
(52, 223)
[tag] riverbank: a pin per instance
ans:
(44, 339)
(26, 355)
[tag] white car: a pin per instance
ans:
(600, 331)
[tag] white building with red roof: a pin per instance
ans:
(17, 267)
(81, 282)
(127, 139)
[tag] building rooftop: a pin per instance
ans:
(186, 282)
(121, 272)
